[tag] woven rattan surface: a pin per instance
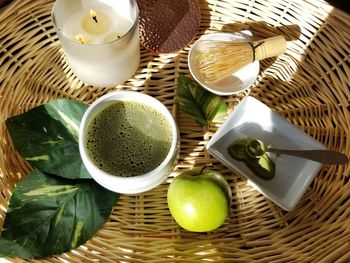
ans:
(308, 85)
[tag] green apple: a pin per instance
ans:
(199, 200)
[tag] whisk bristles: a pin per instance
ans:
(217, 60)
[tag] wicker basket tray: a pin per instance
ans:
(309, 85)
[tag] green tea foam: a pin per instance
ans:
(128, 139)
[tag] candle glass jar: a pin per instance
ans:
(108, 62)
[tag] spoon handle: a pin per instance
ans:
(322, 156)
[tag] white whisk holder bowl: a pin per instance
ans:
(238, 81)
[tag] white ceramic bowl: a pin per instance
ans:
(135, 184)
(239, 80)
(293, 175)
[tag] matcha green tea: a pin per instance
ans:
(255, 158)
(128, 139)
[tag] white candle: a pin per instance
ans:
(100, 39)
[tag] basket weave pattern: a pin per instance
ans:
(308, 85)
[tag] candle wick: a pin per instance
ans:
(80, 39)
(93, 15)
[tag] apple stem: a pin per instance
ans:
(203, 168)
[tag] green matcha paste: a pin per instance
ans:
(257, 161)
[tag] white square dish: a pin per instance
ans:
(293, 175)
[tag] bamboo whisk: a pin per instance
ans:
(218, 59)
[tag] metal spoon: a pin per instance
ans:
(257, 148)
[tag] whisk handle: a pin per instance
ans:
(269, 47)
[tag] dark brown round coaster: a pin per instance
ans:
(4, 2)
(168, 26)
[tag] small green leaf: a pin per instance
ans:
(47, 137)
(50, 215)
(198, 103)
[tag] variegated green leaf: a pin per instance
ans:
(50, 215)
(47, 137)
(198, 103)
